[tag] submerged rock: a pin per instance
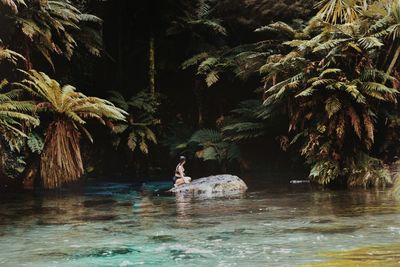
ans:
(163, 238)
(98, 202)
(218, 185)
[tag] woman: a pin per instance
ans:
(179, 177)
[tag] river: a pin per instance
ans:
(117, 224)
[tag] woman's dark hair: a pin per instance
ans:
(182, 159)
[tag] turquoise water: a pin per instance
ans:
(110, 224)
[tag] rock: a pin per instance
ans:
(213, 186)
(299, 181)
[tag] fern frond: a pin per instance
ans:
(196, 59)
(355, 121)
(212, 78)
(369, 42)
(332, 105)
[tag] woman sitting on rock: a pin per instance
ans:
(179, 177)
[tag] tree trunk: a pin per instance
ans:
(152, 66)
(199, 99)
(120, 35)
(27, 55)
(394, 60)
(30, 177)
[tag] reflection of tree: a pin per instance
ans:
(144, 209)
(150, 210)
(183, 206)
(351, 203)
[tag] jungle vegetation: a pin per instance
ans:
(118, 88)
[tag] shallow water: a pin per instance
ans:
(116, 225)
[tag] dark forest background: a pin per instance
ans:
(124, 66)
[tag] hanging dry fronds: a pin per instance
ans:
(61, 160)
(355, 120)
(369, 129)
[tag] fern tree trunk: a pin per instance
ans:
(61, 160)
(152, 66)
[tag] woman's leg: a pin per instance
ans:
(179, 181)
(187, 179)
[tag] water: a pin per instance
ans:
(118, 225)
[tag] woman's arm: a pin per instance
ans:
(180, 169)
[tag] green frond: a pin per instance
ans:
(330, 44)
(214, 26)
(66, 101)
(306, 92)
(355, 93)
(374, 86)
(329, 71)
(35, 142)
(206, 136)
(241, 131)
(194, 60)
(212, 78)
(280, 27)
(207, 65)
(375, 74)
(119, 128)
(369, 42)
(320, 82)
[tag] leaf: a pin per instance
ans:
(196, 59)
(355, 121)
(369, 128)
(209, 154)
(278, 27)
(332, 105)
(369, 42)
(119, 128)
(212, 78)
(35, 143)
(132, 141)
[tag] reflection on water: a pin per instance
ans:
(385, 255)
(119, 225)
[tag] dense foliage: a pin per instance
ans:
(208, 79)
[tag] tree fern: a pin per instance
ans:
(52, 28)
(332, 90)
(142, 121)
(61, 160)
(209, 145)
(14, 115)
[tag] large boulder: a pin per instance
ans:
(213, 186)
